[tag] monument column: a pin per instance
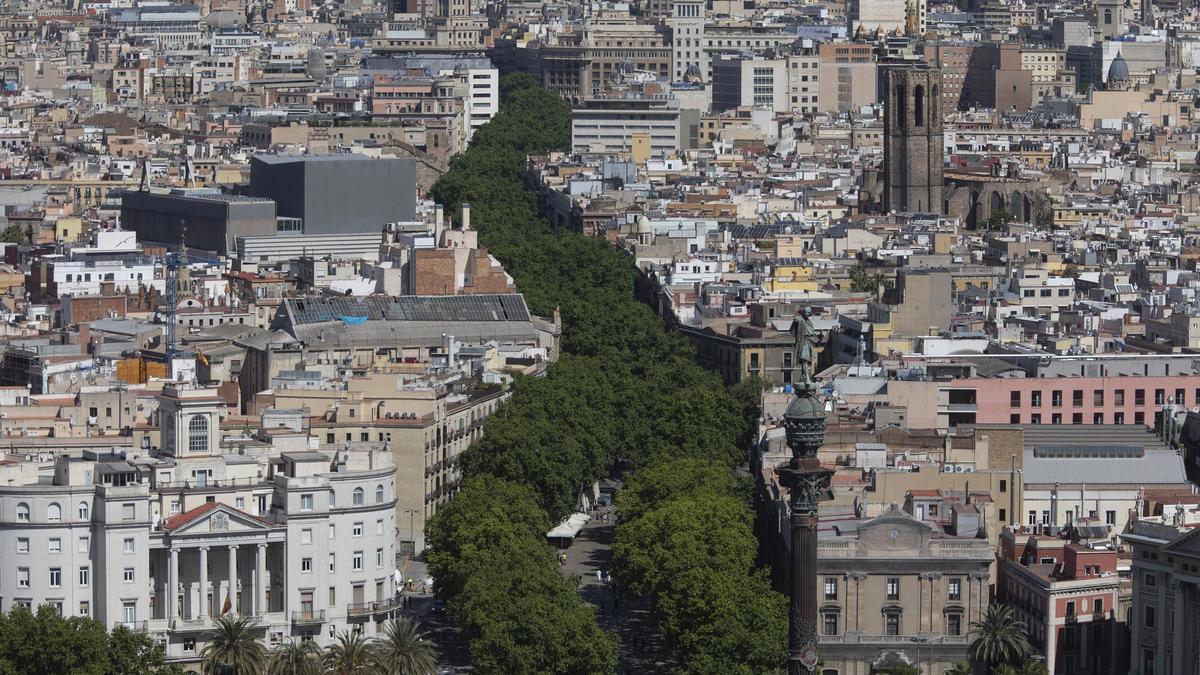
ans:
(805, 479)
(204, 607)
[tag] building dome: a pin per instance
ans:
(643, 225)
(1118, 70)
(73, 36)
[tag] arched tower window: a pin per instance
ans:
(1108, 15)
(54, 513)
(901, 106)
(198, 434)
(919, 106)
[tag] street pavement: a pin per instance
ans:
(642, 647)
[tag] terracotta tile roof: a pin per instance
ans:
(180, 519)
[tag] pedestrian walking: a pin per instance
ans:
(599, 574)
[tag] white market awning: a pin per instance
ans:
(569, 527)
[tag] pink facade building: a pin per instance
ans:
(1070, 400)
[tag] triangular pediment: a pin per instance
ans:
(1188, 544)
(214, 518)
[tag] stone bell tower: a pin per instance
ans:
(912, 139)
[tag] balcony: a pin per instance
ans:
(137, 626)
(382, 606)
(359, 610)
(1100, 616)
(860, 638)
(309, 616)
(1071, 619)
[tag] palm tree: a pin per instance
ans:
(295, 658)
(960, 668)
(231, 649)
(998, 637)
(404, 650)
(351, 655)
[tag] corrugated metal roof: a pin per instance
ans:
(451, 308)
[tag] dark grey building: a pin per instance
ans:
(335, 194)
(212, 220)
(912, 139)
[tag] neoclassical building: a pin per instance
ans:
(298, 536)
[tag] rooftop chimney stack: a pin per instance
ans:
(466, 217)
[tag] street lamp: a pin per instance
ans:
(919, 640)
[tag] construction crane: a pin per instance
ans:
(175, 260)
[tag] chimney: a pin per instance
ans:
(85, 338)
(466, 217)
(439, 216)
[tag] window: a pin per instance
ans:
(332, 562)
(379, 494)
(1098, 397)
(1056, 418)
(1003, 485)
(1014, 399)
(332, 531)
(306, 502)
(1097, 418)
(1110, 517)
(1098, 605)
(955, 589)
(22, 544)
(1056, 398)
(306, 564)
(892, 620)
(1035, 399)
(1148, 621)
(23, 512)
(85, 608)
(1035, 419)
(128, 576)
(358, 496)
(54, 513)
(1077, 418)
(128, 511)
(306, 535)
(1139, 397)
(1077, 398)
(1147, 654)
(893, 588)
(1119, 418)
(831, 588)
(54, 545)
(85, 576)
(127, 545)
(332, 595)
(356, 561)
(954, 624)
(379, 557)
(1033, 517)
(358, 530)
(1014, 418)
(831, 623)
(198, 434)
(1151, 580)
(22, 577)
(85, 544)
(83, 511)
(239, 503)
(1119, 397)
(1160, 397)
(1139, 417)
(1046, 517)
(55, 577)
(1070, 608)
(189, 645)
(379, 526)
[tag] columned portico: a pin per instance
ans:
(232, 590)
(216, 535)
(202, 603)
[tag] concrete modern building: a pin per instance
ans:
(746, 81)
(337, 194)
(297, 536)
(623, 125)
(205, 219)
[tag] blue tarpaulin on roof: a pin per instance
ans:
(353, 320)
